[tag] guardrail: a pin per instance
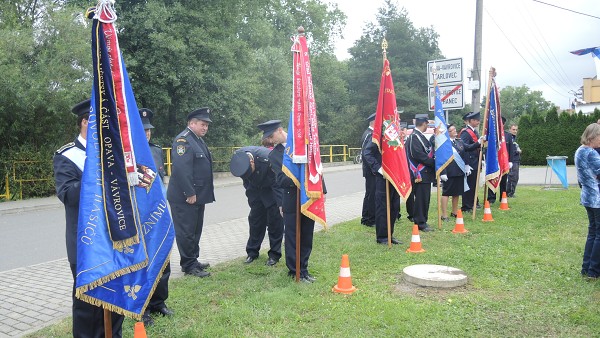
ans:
(221, 158)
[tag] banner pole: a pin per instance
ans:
(487, 106)
(107, 324)
(297, 234)
(439, 204)
(387, 209)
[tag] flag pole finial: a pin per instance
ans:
(300, 30)
(492, 72)
(384, 46)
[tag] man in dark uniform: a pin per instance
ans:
(161, 292)
(515, 159)
(504, 181)
(368, 208)
(68, 162)
(372, 158)
(470, 137)
(251, 164)
(287, 202)
(190, 189)
(422, 171)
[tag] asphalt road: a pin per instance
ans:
(38, 236)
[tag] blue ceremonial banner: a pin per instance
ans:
(443, 147)
(492, 166)
(118, 204)
(594, 50)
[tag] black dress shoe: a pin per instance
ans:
(148, 321)
(203, 266)
(453, 215)
(197, 273)
(309, 277)
(479, 206)
(271, 261)
(426, 228)
(249, 259)
(305, 280)
(164, 310)
(395, 241)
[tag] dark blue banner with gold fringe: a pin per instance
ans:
(125, 231)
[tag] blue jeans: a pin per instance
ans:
(591, 253)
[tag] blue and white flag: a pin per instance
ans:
(490, 128)
(443, 146)
(125, 231)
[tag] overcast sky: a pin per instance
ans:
(528, 42)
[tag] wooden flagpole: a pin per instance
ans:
(387, 209)
(439, 200)
(298, 228)
(487, 106)
(107, 324)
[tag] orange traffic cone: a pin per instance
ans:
(459, 228)
(344, 284)
(415, 242)
(487, 213)
(139, 331)
(504, 202)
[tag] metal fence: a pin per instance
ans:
(40, 172)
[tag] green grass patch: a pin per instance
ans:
(523, 273)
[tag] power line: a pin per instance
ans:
(521, 55)
(566, 9)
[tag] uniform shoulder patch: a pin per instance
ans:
(181, 140)
(180, 149)
(65, 147)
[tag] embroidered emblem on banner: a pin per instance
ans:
(392, 133)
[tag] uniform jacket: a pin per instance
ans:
(514, 156)
(191, 171)
(260, 185)
(418, 148)
(471, 148)
(159, 161)
(371, 157)
(453, 170)
(285, 189)
(366, 138)
(68, 162)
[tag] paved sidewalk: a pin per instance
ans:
(36, 296)
(39, 295)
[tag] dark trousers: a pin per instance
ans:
(513, 179)
(88, 319)
(161, 293)
(307, 228)
(262, 219)
(492, 196)
(188, 220)
(422, 195)
(469, 196)
(381, 208)
(591, 253)
(368, 208)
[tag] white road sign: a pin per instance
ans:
(447, 71)
(452, 96)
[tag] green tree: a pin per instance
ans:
(518, 101)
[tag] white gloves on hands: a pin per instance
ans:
(468, 169)
(444, 178)
(380, 171)
(481, 139)
(510, 165)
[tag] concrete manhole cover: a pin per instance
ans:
(438, 276)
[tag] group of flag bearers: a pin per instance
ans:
(411, 164)
(125, 231)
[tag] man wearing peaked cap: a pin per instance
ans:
(419, 152)
(190, 189)
(470, 137)
(368, 208)
(68, 163)
(285, 197)
(269, 127)
(252, 165)
(161, 293)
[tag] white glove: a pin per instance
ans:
(510, 165)
(481, 139)
(468, 169)
(380, 171)
(444, 178)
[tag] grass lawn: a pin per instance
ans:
(523, 273)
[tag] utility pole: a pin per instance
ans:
(476, 71)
